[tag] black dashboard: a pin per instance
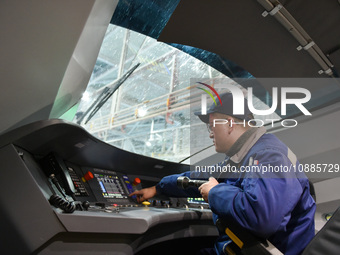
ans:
(63, 191)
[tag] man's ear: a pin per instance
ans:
(231, 125)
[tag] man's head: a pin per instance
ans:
(226, 108)
(225, 127)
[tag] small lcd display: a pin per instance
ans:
(110, 186)
(196, 200)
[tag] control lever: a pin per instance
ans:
(184, 182)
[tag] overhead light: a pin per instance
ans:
(141, 112)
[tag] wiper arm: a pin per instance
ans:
(105, 95)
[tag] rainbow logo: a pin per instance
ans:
(209, 93)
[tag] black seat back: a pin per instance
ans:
(312, 190)
(327, 240)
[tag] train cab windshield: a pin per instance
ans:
(151, 112)
(142, 95)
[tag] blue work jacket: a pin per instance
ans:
(272, 201)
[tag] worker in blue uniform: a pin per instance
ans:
(266, 194)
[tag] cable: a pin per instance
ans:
(56, 183)
(59, 202)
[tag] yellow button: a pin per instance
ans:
(146, 203)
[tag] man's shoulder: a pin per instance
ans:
(268, 142)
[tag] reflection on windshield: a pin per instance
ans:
(150, 113)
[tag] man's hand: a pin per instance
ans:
(144, 194)
(206, 187)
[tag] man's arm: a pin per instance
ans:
(167, 186)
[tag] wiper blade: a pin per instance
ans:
(105, 95)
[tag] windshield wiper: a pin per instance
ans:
(105, 95)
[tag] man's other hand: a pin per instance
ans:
(206, 187)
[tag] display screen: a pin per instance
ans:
(196, 200)
(111, 186)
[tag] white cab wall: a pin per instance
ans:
(45, 44)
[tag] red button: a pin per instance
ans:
(88, 176)
(136, 181)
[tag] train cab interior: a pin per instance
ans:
(98, 99)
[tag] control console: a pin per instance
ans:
(74, 188)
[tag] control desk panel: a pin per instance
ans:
(101, 185)
(90, 188)
(87, 187)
